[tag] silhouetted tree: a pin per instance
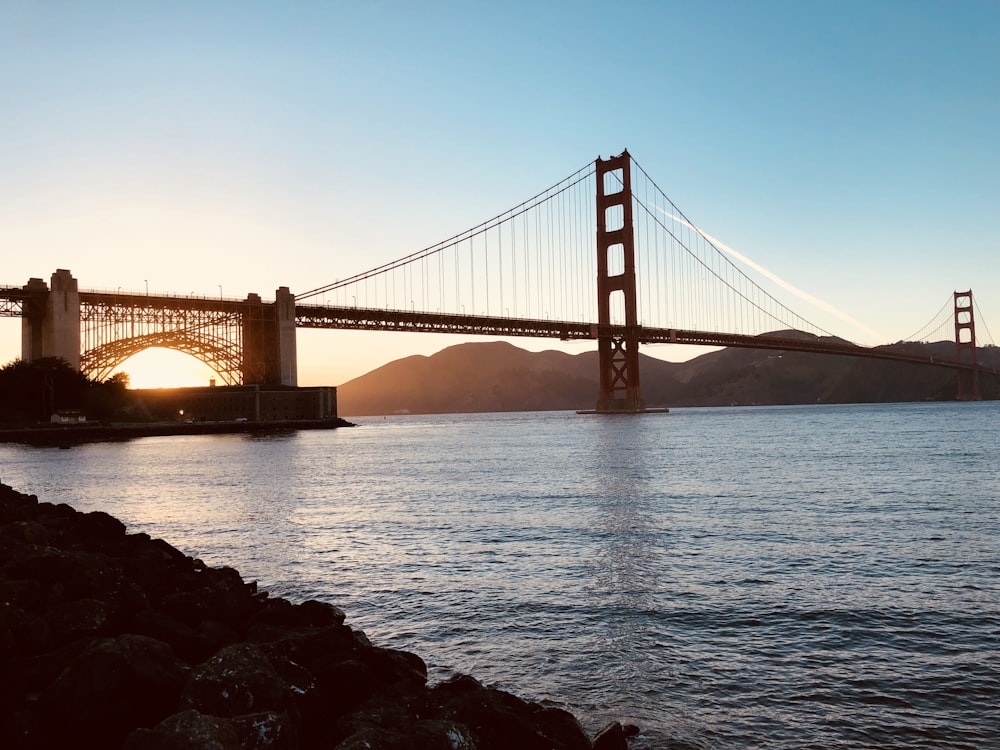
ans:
(32, 391)
(119, 379)
(108, 399)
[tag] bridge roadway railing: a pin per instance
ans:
(12, 296)
(805, 343)
(377, 319)
(163, 301)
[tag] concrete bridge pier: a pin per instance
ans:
(50, 325)
(269, 352)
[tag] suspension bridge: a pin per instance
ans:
(601, 255)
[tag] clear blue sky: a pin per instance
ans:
(850, 147)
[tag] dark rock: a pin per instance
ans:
(306, 615)
(28, 730)
(307, 646)
(32, 595)
(376, 738)
(99, 527)
(217, 633)
(266, 731)
(187, 730)
(347, 683)
(429, 734)
(66, 573)
(611, 737)
(231, 600)
(27, 677)
(114, 685)
(16, 507)
(381, 721)
(322, 613)
(188, 607)
(237, 680)
(558, 722)
(461, 683)
(22, 632)
(305, 698)
(499, 720)
(28, 532)
(397, 669)
(188, 643)
(79, 618)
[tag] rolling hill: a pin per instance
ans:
(498, 376)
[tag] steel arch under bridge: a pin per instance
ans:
(222, 355)
(238, 339)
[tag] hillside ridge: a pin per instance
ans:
(498, 376)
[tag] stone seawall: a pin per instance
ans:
(90, 432)
(117, 640)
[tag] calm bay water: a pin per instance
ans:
(725, 578)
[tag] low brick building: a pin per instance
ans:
(252, 403)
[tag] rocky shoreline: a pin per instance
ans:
(117, 640)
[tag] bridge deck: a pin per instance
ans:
(368, 319)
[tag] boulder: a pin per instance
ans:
(239, 679)
(611, 737)
(500, 720)
(114, 685)
(187, 730)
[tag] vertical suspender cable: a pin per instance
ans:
(500, 263)
(513, 264)
(527, 269)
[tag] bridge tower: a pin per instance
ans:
(50, 326)
(965, 348)
(618, 347)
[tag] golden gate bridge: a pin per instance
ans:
(601, 255)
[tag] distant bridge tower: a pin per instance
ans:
(618, 348)
(965, 348)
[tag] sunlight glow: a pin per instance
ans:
(165, 368)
